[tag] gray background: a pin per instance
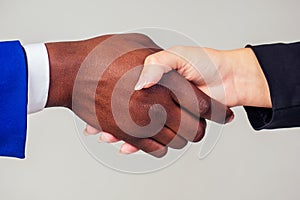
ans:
(244, 165)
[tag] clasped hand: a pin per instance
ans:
(103, 102)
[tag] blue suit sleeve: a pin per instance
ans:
(281, 66)
(13, 99)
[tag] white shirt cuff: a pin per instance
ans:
(38, 76)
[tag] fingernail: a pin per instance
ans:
(102, 138)
(231, 118)
(123, 152)
(140, 84)
(99, 138)
(85, 132)
(149, 84)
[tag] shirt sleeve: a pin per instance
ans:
(13, 99)
(38, 76)
(281, 66)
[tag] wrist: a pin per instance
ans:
(249, 84)
(65, 59)
(64, 64)
(225, 63)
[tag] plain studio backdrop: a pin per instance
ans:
(244, 165)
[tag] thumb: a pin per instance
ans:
(155, 66)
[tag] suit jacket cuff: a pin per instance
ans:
(281, 66)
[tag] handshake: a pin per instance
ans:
(129, 87)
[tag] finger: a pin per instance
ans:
(89, 130)
(107, 137)
(155, 66)
(167, 137)
(147, 145)
(211, 109)
(200, 106)
(128, 149)
(151, 146)
(185, 124)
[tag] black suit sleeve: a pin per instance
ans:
(281, 66)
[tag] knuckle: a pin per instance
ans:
(158, 112)
(139, 37)
(152, 59)
(205, 107)
(176, 48)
